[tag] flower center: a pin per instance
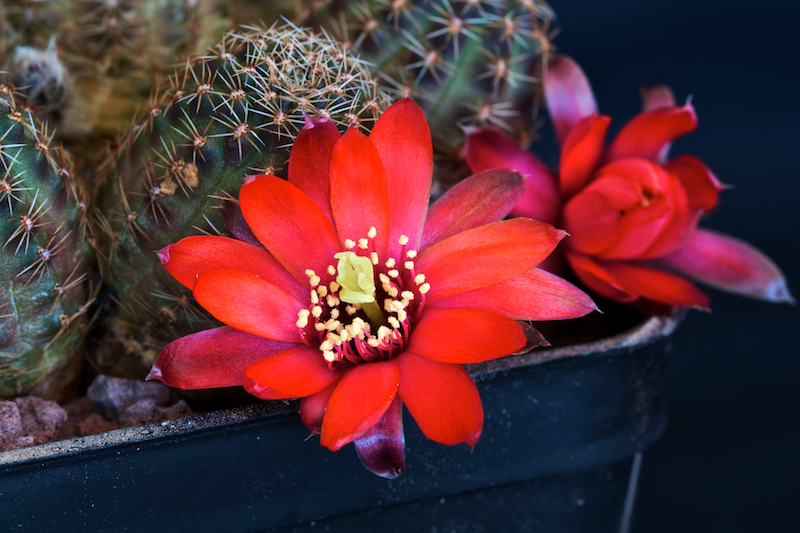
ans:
(363, 310)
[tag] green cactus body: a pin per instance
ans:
(466, 62)
(44, 261)
(226, 115)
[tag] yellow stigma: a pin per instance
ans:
(356, 278)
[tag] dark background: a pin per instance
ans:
(729, 458)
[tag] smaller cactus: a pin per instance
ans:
(466, 62)
(44, 299)
(232, 112)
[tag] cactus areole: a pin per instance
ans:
(358, 298)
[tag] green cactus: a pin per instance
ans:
(466, 62)
(44, 299)
(230, 113)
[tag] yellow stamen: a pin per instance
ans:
(322, 290)
(425, 288)
(372, 233)
(363, 244)
(411, 254)
(390, 263)
(331, 270)
(407, 295)
(403, 240)
(409, 265)
(334, 286)
(349, 244)
(374, 258)
(357, 281)
(419, 279)
(393, 273)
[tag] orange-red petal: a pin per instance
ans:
(534, 295)
(294, 373)
(188, 258)
(657, 285)
(647, 133)
(442, 398)
(598, 279)
(309, 161)
(289, 224)
(359, 190)
(211, 358)
(465, 336)
(403, 140)
(486, 255)
(249, 303)
(568, 95)
(360, 399)
(581, 153)
(702, 186)
(481, 199)
(731, 265)
(486, 149)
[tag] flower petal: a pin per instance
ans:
(534, 295)
(657, 285)
(592, 221)
(211, 358)
(647, 133)
(702, 186)
(657, 97)
(568, 95)
(598, 279)
(486, 255)
(403, 140)
(465, 336)
(188, 258)
(309, 162)
(382, 449)
(249, 303)
(581, 153)
(359, 190)
(360, 399)
(236, 224)
(294, 373)
(730, 264)
(312, 408)
(481, 199)
(442, 398)
(289, 225)
(486, 149)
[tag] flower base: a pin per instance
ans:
(561, 425)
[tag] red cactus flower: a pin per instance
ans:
(632, 217)
(358, 299)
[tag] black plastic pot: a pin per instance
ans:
(560, 451)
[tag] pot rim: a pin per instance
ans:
(646, 332)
